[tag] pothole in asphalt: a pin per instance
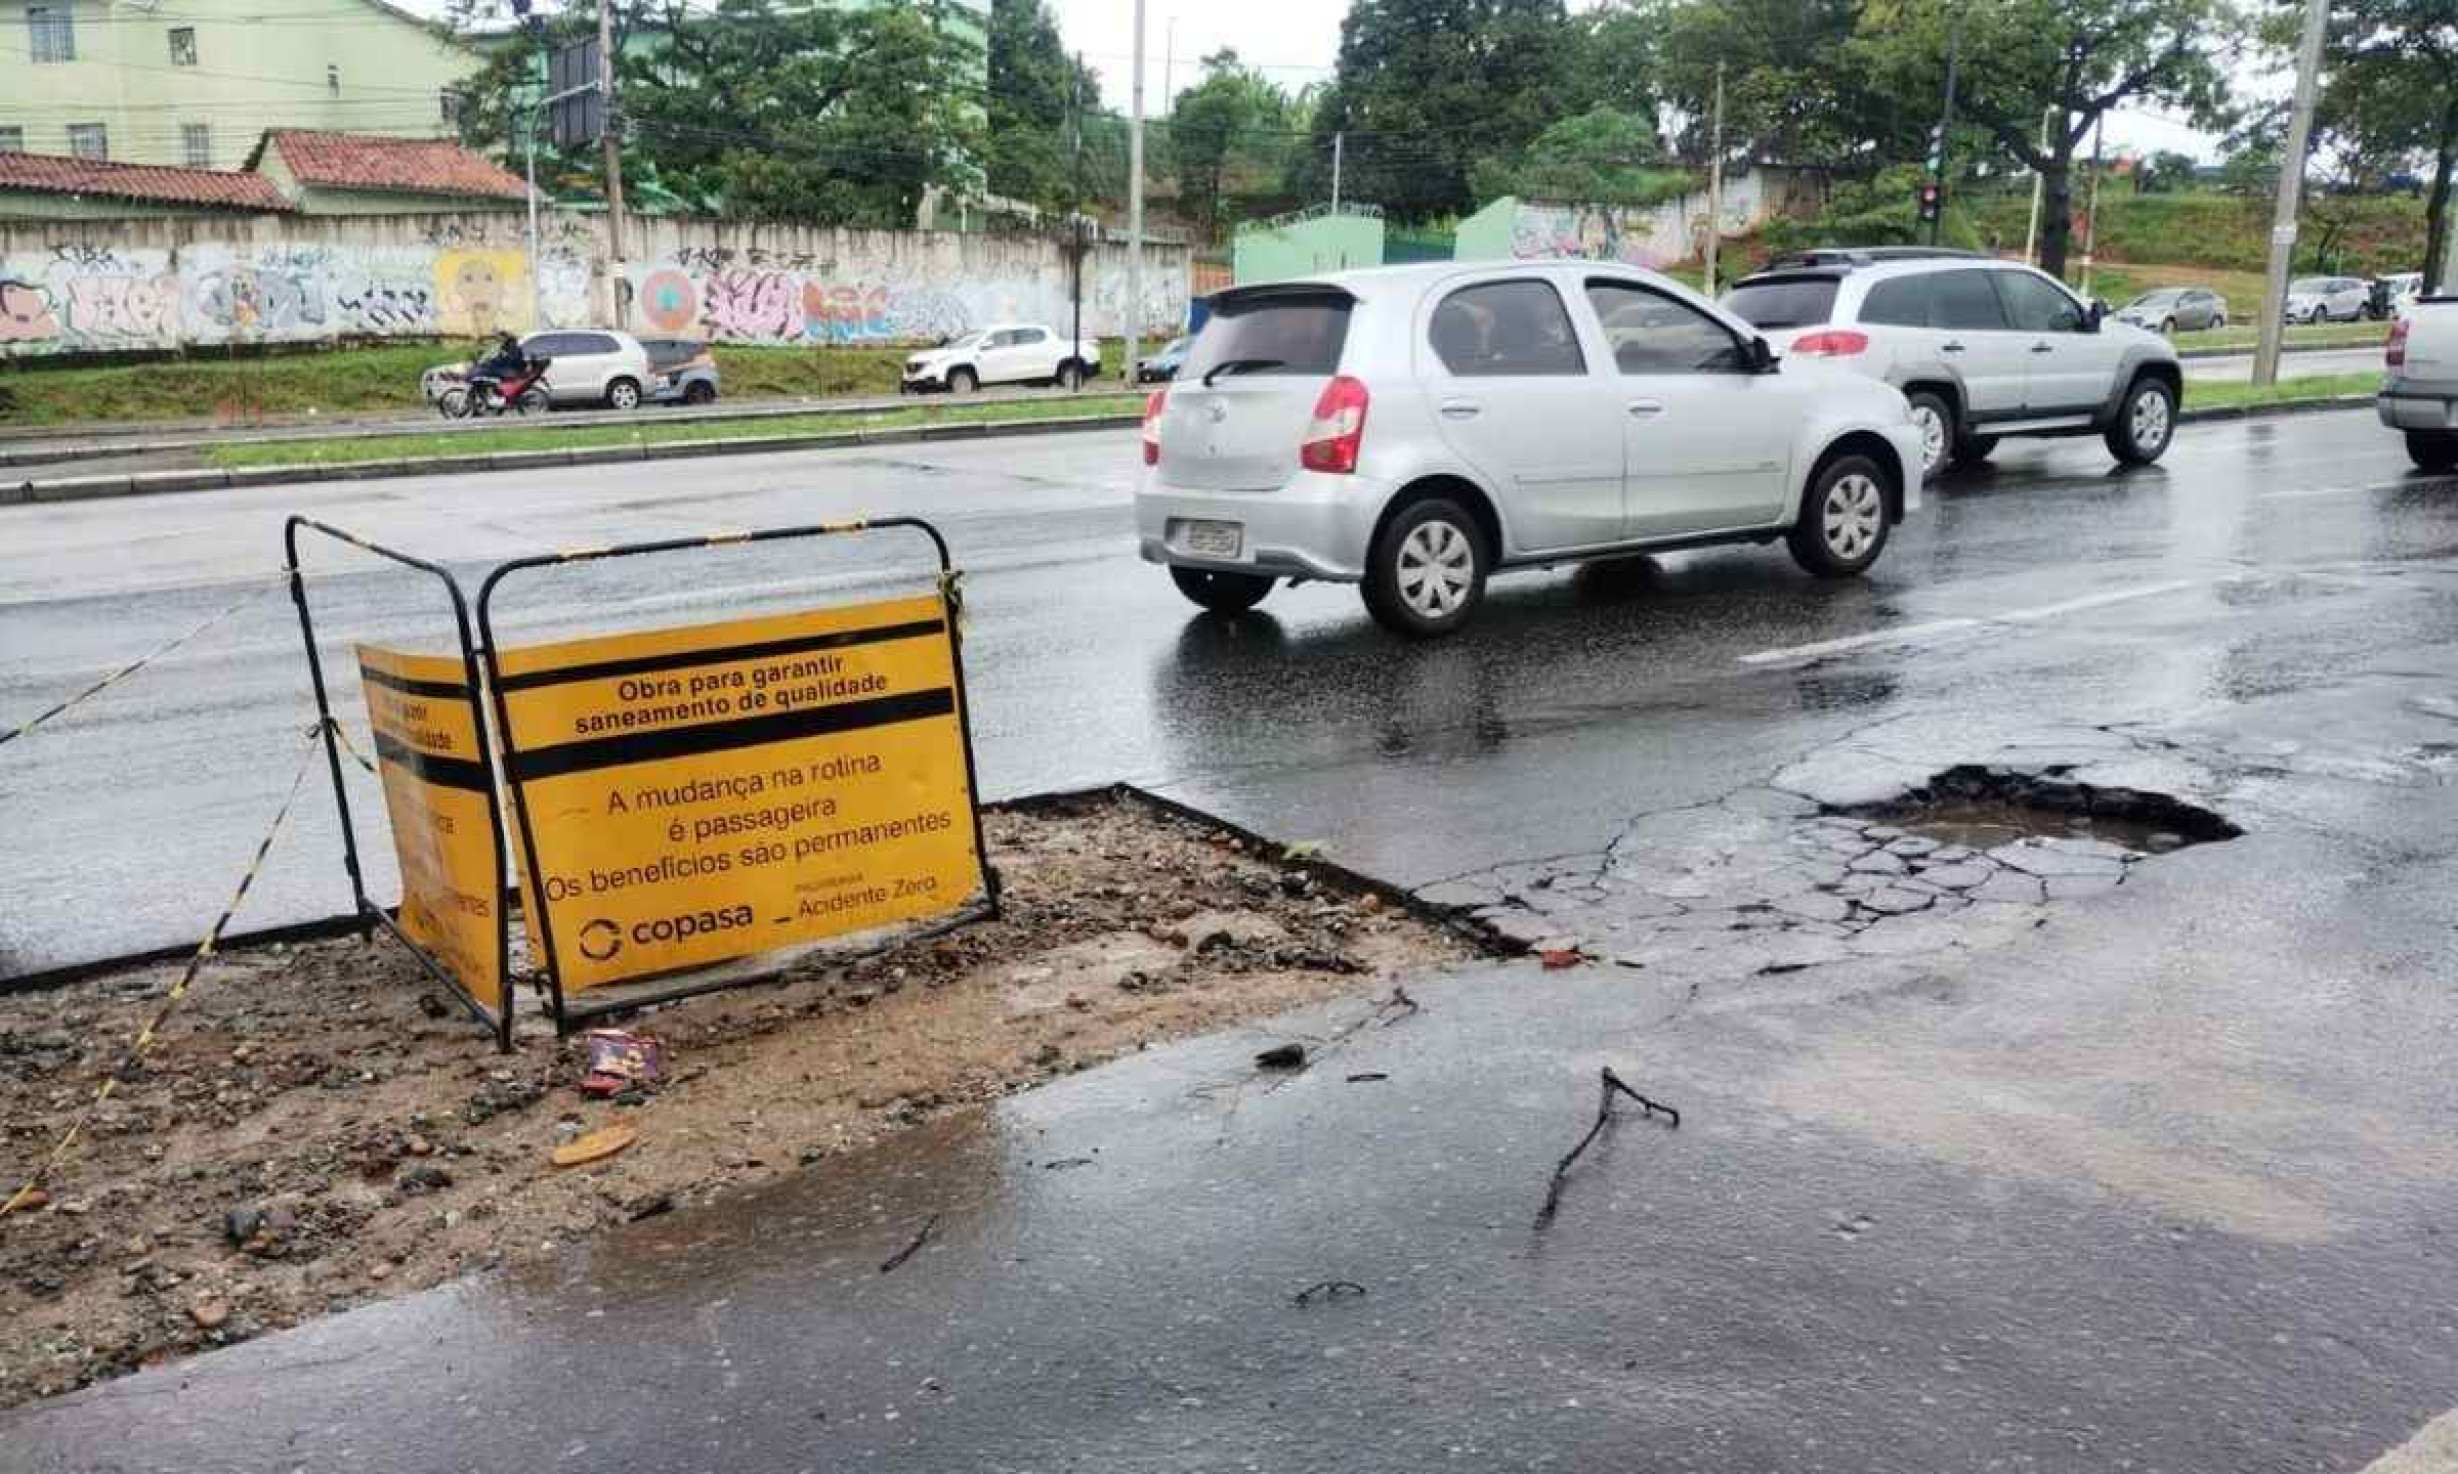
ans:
(1982, 808)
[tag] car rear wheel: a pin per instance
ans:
(2218, 321)
(1842, 527)
(1071, 376)
(1971, 450)
(1426, 572)
(623, 394)
(2433, 450)
(2167, 327)
(1935, 419)
(962, 381)
(2145, 422)
(699, 391)
(1220, 592)
(532, 401)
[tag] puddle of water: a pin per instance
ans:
(1984, 825)
(1982, 808)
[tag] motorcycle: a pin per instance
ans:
(518, 392)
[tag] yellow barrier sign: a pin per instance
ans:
(705, 793)
(436, 783)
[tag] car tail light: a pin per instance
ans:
(2398, 342)
(1338, 428)
(1831, 343)
(1152, 425)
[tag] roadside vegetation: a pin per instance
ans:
(2287, 391)
(652, 431)
(384, 380)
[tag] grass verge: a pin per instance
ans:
(584, 437)
(363, 380)
(2286, 391)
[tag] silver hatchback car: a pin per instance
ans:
(1413, 429)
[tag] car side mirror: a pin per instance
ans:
(2098, 314)
(1761, 357)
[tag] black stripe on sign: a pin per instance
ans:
(684, 660)
(784, 726)
(443, 690)
(443, 772)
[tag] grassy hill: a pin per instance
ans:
(2228, 232)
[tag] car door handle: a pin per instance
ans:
(2043, 347)
(1461, 409)
(1950, 347)
(1645, 409)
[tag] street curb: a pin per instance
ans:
(2193, 353)
(2266, 411)
(148, 483)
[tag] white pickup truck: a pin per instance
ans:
(2420, 395)
(1003, 353)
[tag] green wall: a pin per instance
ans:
(1307, 247)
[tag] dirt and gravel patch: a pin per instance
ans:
(315, 1129)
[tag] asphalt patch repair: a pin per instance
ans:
(315, 1130)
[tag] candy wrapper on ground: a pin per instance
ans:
(620, 1060)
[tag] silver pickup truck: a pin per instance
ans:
(2420, 394)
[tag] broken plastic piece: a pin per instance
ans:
(601, 1143)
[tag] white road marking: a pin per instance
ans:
(1902, 634)
(2433, 1450)
(2314, 491)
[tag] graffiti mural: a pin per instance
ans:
(806, 299)
(467, 277)
(1649, 236)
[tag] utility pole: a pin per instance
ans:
(1945, 122)
(1075, 201)
(612, 145)
(2091, 211)
(2039, 183)
(1715, 178)
(1135, 207)
(2291, 190)
(1169, 69)
(1337, 140)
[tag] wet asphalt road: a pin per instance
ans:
(1086, 666)
(2154, 1175)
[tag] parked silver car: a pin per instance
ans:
(681, 370)
(2328, 299)
(590, 366)
(1415, 428)
(2176, 310)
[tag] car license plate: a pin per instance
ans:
(1213, 539)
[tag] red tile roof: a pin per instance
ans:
(52, 174)
(396, 165)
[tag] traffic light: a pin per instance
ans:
(1932, 200)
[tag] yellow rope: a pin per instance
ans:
(144, 1040)
(132, 667)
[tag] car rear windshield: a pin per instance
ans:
(664, 351)
(1783, 301)
(1294, 332)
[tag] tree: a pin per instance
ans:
(776, 109)
(1614, 59)
(2070, 60)
(1790, 91)
(1231, 127)
(1424, 88)
(1034, 85)
(1600, 157)
(2164, 171)
(2391, 93)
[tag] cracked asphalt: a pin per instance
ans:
(2106, 1130)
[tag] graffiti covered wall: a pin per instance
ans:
(1651, 236)
(764, 284)
(106, 286)
(110, 286)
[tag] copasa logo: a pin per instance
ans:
(600, 940)
(689, 924)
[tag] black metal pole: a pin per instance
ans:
(1945, 122)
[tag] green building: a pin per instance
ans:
(1307, 242)
(196, 83)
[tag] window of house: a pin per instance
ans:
(51, 33)
(183, 46)
(12, 140)
(332, 80)
(88, 141)
(196, 145)
(448, 101)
